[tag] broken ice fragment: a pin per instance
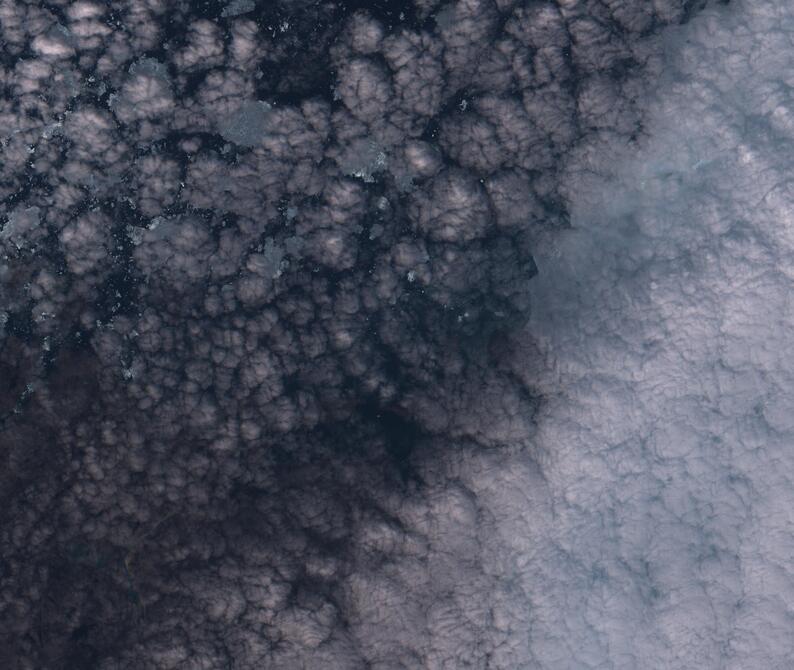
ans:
(247, 125)
(21, 223)
(237, 7)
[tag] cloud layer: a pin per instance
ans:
(272, 398)
(666, 322)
